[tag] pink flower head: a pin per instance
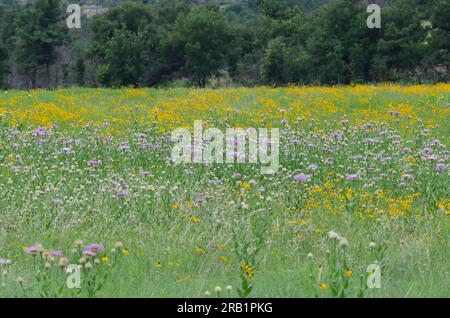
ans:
(92, 249)
(56, 253)
(440, 167)
(352, 177)
(301, 177)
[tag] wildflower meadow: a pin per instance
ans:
(92, 204)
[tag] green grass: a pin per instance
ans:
(176, 243)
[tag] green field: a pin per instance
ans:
(363, 180)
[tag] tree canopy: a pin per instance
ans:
(252, 42)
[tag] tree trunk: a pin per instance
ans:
(33, 79)
(47, 70)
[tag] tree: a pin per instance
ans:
(283, 36)
(8, 12)
(4, 69)
(122, 44)
(148, 42)
(438, 39)
(126, 59)
(200, 41)
(401, 48)
(340, 48)
(274, 65)
(275, 9)
(79, 68)
(39, 33)
(164, 64)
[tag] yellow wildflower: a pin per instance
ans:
(200, 250)
(224, 259)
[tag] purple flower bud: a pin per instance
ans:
(440, 167)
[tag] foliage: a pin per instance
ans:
(38, 36)
(122, 43)
(275, 42)
(201, 41)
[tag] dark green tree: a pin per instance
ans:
(438, 40)
(164, 63)
(8, 11)
(402, 45)
(79, 68)
(274, 66)
(331, 41)
(39, 33)
(201, 41)
(126, 58)
(122, 44)
(283, 27)
(275, 9)
(4, 69)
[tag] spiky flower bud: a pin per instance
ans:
(343, 242)
(333, 235)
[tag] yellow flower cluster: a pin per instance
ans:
(173, 108)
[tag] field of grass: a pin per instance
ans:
(363, 180)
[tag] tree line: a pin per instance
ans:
(176, 42)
